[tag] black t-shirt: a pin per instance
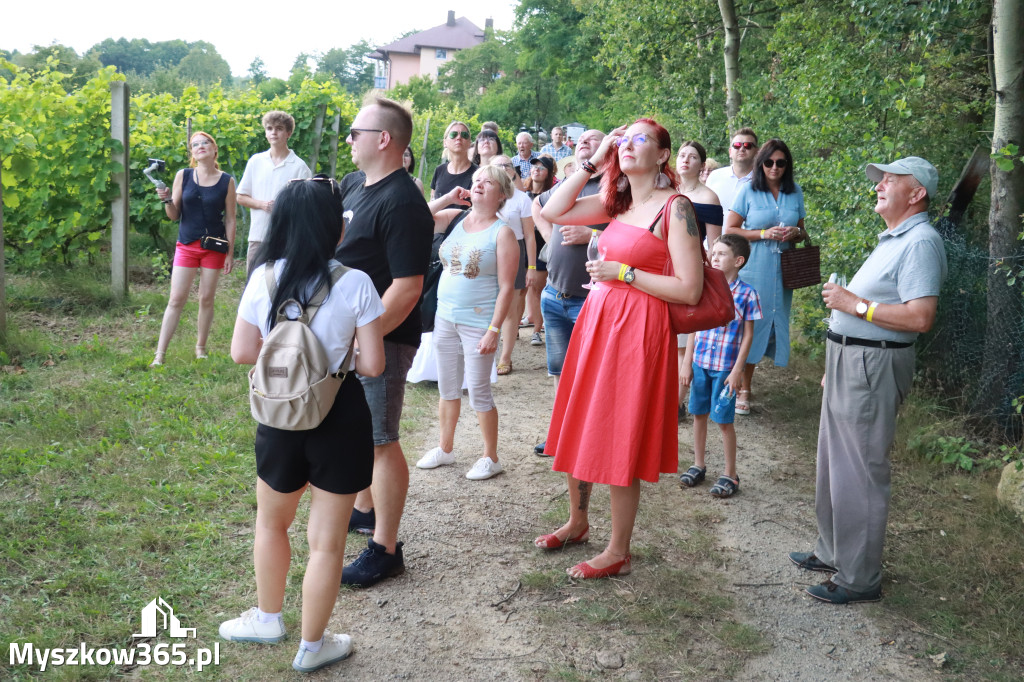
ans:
(567, 270)
(443, 181)
(388, 228)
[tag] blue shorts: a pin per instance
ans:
(560, 313)
(386, 393)
(704, 391)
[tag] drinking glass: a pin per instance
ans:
(593, 253)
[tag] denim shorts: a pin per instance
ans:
(386, 393)
(560, 312)
(704, 391)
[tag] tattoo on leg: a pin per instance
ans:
(584, 489)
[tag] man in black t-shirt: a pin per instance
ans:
(388, 230)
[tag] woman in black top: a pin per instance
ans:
(457, 170)
(203, 200)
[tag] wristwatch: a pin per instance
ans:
(629, 276)
(862, 308)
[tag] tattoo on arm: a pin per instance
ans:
(584, 489)
(685, 213)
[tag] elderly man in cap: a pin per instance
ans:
(869, 369)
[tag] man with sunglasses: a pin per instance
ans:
(726, 181)
(388, 229)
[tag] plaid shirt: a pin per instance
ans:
(523, 165)
(716, 349)
(561, 153)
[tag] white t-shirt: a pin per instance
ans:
(262, 180)
(515, 209)
(353, 302)
(724, 183)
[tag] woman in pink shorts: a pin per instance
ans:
(203, 201)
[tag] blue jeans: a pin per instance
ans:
(560, 313)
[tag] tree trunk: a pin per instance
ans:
(732, 59)
(1002, 360)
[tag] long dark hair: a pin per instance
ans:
(486, 132)
(305, 227)
(617, 201)
(412, 161)
(760, 182)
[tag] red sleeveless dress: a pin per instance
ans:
(615, 414)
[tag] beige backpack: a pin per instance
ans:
(290, 386)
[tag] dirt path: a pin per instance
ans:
(460, 612)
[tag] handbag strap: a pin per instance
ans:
(665, 216)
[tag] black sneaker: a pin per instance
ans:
(373, 565)
(362, 522)
(809, 562)
(538, 449)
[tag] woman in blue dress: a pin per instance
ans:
(769, 212)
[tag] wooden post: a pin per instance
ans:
(3, 274)
(318, 134)
(119, 104)
(335, 132)
(423, 155)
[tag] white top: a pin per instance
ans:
(353, 302)
(725, 183)
(262, 180)
(514, 209)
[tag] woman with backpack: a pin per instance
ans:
(335, 459)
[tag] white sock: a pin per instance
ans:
(264, 617)
(312, 647)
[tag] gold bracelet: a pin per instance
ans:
(492, 328)
(622, 272)
(871, 310)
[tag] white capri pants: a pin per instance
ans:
(455, 350)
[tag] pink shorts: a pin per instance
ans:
(192, 255)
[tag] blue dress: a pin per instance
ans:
(761, 210)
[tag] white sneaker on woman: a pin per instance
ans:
(248, 628)
(435, 458)
(484, 468)
(334, 648)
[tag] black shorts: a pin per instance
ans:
(336, 456)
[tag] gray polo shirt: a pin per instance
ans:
(567, 270)
(908, 263)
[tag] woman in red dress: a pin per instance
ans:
(614, 419)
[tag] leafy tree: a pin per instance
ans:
(61, 59)
(351, 67)
(257, 71)
(140, 55)
(204, 66)
(422, 91)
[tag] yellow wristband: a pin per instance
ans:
(492, 328)
(871, 310)
(622, 272)
(531, 267)
(762, 234)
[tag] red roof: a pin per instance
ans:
(462, 35)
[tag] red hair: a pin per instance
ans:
(216, 153)
(618, 201)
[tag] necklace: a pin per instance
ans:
(686, 190)
(636, 206)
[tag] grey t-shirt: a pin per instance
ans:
(567, 270)
(908, 263)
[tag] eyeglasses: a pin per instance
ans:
(506, 166)
(201, 142)
(743, 145)
(464, 134)
(320, 177)
(769, 163)
(638, 139)
(354, 132)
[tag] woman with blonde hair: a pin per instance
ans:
(456, 169)
(202, 199)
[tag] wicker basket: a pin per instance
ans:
(801, 267)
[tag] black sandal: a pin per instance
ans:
(725, 486)
(692, 476)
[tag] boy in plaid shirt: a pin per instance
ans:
(714, 361)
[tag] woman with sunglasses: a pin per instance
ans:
(614, 419)
(768, 212)
(456, 169)
(335, 459)
(487, 146)
(409, 163)
(202, 199)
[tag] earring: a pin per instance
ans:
(662, 181)
(622, 183)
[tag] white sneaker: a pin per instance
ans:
(248, 628)
(484, 468)
(335, 648)
(435, 458)
(535, 340)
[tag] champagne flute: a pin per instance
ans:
(593, 254)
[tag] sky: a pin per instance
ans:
(268, 30)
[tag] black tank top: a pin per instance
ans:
(202, 208)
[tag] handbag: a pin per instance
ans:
(715, 308)
(801, 267)
(211, 243)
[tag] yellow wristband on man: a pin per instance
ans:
(871, 310)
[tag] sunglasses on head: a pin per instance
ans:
(769, 163)
(464, 134)
(320, 177)
(743, 145)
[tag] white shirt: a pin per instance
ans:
(513, 211)
(725, 183)
(353, 302)
(263, 180)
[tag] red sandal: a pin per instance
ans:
(552, 541)
(588, 572)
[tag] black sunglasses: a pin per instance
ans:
(769, 163)
(354, 132)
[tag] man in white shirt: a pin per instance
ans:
(265, 175)
(725, 182)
